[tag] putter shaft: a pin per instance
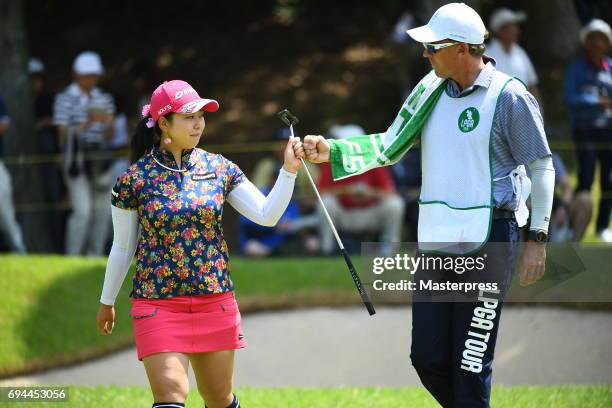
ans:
(314, 186)
(362, 293)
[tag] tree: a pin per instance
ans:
(20, 140)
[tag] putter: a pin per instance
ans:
(289, 119)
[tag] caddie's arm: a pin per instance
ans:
(523, 125)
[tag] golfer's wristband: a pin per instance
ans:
(264, 210)
(125, 239)
(542, 192)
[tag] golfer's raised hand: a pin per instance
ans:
(316, 149)
(293, 151)
(105, 319)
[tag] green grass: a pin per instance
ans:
(363, 397)
(49, 303)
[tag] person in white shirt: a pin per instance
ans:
(84, 116)
(510, 57)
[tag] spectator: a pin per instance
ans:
(118, 147)
(297, 228)
(267, 168)
(261, 241)
(360, 204)
(119, 144)
(46, 135)
(570, 216)
(84, 115)
(8, 222)
(407, 54)
(510, 57)
(588, 94)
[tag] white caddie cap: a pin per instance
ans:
(344, 131)
(88, 63)
(503, 16)
(596, 25)
(35, 66)
(455, 21)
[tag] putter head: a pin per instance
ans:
(287, 117)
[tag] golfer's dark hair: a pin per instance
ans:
(144, 138)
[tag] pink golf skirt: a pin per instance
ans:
(187, 324)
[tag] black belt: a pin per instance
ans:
(500, 214)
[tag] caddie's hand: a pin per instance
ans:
(533, 263)
(316, 149)
(292, 159)
(105, 319)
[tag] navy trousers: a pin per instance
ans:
(453, 342)
(588, 152)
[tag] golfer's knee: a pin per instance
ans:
(216, 393)
(170, 389)
(217, 397)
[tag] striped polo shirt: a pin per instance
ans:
(73, 106)
(517, 134)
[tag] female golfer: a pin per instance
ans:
(167, 207)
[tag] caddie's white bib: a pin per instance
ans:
(456, 203)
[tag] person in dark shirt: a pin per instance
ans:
(46, 136)
(8, 222)
(360, 204)
(588, 94)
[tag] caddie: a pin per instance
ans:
(478, 128)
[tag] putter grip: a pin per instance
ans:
(364, 296)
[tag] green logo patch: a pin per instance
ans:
(468, 120)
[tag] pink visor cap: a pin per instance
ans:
(178, 97)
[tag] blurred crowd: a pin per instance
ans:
(588, 98)
(84, 127)
(382, 204)
(88, 129)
